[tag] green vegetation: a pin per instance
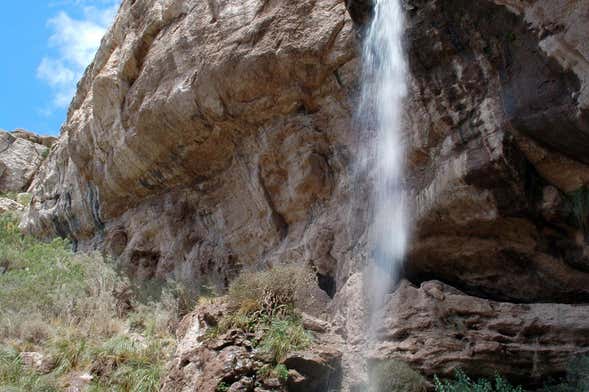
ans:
(279, 371)
(578, 207)
(283, 336)
(273, 292)
(264, 304)
(577, 378)
(14, 374)
(462, 383)
(79, 313)
(9, 195)
(222, 387)
(395, 376)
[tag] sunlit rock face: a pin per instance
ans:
(210, 136)
(21, 154)
(207, 136)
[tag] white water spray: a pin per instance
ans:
(384, 78)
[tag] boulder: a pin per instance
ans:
(7, 205)
(315, 370)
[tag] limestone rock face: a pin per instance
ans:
(208, 137)
(494, 127)
(21, 154)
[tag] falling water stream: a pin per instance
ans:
(384, 87)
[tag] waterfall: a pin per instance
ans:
(384, 87)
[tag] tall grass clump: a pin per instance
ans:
(265, 303)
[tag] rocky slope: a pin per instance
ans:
(209, 137)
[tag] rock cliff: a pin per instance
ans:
(208, 137)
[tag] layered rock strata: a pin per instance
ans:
(436, 328)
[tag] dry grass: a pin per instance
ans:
(68, 307)
(265, 303)
(271, 291)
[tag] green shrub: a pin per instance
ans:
(284, 336)
(281, 372)
(462, 383)
(125, 364)
(577, 378)
(577, 205)
(264, 303)
(395, 376)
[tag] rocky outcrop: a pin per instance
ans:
(207, 137)
(21, 154)
(191, 169)
(46, 141)
(203, 361)
(436, 328)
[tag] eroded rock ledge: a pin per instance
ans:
(437, 328)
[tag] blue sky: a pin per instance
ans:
(46, 46)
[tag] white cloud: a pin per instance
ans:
(74, 42)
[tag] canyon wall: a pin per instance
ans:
(211, 137)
